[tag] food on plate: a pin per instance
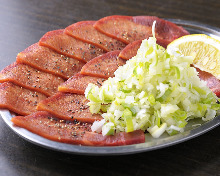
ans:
(31, 78)
(130, 50)
(64, 52)
(96, 71)
(18, 99)
(212, 82)
(64, 44)
(128, 29)
(86, 32)
(47, 60)
(48, 126)
(78, 83)
(103, 66)
(205, 51)
(56, 48)
(155, 91)
(68, 106)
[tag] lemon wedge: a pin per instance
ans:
(204, 49)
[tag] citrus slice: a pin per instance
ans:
(204, 49)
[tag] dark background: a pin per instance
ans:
(23, 22)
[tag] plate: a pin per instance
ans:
(193, 129)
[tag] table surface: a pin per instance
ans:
(23, 22)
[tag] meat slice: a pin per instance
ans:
(103, 66)
(48, 126)
(18, 99)
(212, 82)
(68, 106)
(130, 50)
(69, 46)
(31, 78)
(47, 60)
(118, 139)
(85, 31)
(78, 83)
(128, 29)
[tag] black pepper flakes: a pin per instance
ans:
(99, 83)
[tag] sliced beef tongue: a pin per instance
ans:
(103, 66)
(18, 99)
(69, 46)
(118, 139)
(130, 50)
(48, 126)
(212, 82)
(78, 83)
(128, 29)
(73, 106)
(95, 71)
(47, 60)
(28, 75)
(85, 31)
(68, 106)
(31, 78)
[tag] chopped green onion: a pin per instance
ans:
(156, 90)
(127, 114)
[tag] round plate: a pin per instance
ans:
(193, 129)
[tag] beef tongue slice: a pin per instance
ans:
(18, 99)
(48, 126)
(85, 31)
(103, 66)
(68, 106)
(69, 46)
(47, 60)
(78, 83)
(128, 29)
(31, 78)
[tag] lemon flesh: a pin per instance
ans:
(205, 51)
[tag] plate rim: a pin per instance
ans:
(114, 150)
(127, 149)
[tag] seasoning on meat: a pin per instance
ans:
(18, 99)
(85, 31)
(128, 29)
(47, 60)
(69, 46)
(103, 66)
(78, 83)
(31, 78)
(48, 126)
(68, 106)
